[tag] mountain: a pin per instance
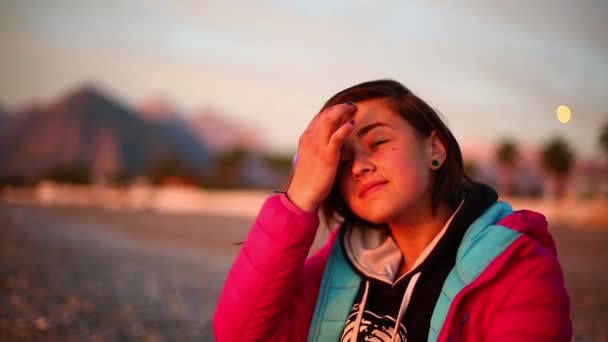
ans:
(157, 109)
(215, 130)
(176, 132)
(89, 129)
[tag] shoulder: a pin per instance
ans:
(528, 296)
(532, 255)
(532, 224)
(528, 285)
(516, 251)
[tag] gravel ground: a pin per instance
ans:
(70, 274)
(62, 282)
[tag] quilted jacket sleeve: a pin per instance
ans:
(271, 289)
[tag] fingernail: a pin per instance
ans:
(352, 122)
(350, 103)
(294, 159)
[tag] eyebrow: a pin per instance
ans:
(366, 129)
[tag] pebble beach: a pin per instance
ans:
(89, 273)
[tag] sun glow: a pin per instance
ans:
(563, 114)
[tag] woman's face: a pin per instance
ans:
(384, 165)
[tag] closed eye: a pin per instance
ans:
(378, 143)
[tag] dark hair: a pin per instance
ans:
(450, 180)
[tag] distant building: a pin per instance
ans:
(589, 178)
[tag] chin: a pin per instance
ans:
(375, 214)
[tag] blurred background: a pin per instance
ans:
(139, 138)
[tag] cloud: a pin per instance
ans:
(276, 62)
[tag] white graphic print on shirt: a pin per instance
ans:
(372, 328)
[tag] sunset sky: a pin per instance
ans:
(493, 68)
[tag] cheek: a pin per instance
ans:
(405, 165)
(394, 159)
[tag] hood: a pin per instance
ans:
(375, 254)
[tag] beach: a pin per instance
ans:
(91, 273)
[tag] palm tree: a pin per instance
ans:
(557, 158)
(506, 155)
(603, 139)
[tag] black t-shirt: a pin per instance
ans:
(382, 301)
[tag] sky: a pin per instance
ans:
(494, 69)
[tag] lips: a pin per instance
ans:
(370, 187)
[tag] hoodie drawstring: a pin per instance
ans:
(360, 313)
(404, 304)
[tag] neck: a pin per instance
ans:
(413, 231)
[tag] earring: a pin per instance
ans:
(435, 163)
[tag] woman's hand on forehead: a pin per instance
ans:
(328, 121)
(319, 154)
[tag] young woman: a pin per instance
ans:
(421, 253)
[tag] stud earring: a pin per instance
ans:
(435, 163)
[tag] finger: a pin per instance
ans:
(334, 115)
(334, 118)
(337, 139)
(336, 112)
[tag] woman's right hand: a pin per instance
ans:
(319, 155)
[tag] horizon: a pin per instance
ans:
(474, 145)
(492, 72)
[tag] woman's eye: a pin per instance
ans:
(378, 143)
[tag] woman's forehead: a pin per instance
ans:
(372, 109)
(377, 117)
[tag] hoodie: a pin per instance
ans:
(398, 309)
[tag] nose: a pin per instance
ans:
(362, 166)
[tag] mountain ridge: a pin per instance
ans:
(89, 128)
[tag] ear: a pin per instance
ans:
(437, 151)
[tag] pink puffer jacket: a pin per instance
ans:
(271, 290)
